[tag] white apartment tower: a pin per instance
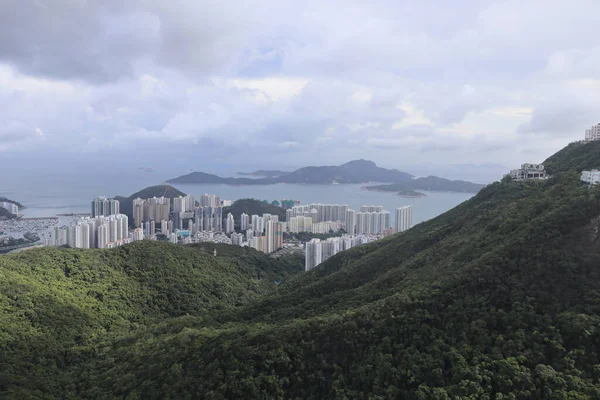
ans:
(229, 223)
(403, 218)
(244, 222)
(592, 133)
(313, 254)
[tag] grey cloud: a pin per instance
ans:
(12, 132)
(74, 40)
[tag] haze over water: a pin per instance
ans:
(74, 192)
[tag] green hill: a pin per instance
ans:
(499, 298)
(59, 306)
(576, 156)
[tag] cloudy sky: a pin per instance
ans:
(291, 83)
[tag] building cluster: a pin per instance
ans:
(186, 219)
(10, 207)
(591, 177)
(372, 222)
(317, 251)
(528, 171)
(103, 207)
(592, 133)
(324, 218)
(103, 232)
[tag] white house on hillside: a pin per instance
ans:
(592, 177)
(529, 171)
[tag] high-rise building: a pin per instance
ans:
(103, 235)
(274, 236)
(244, 222)
(138, 212)
(313, 254)
(101, 206)
(137, 234)
(593, 133)
(403, 218)
(210, 200)
(350, 223)
(229, 224)
(237, 239)
(249, 234)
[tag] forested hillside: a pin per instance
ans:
(57, 306)
(499, 298)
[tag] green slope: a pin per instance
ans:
(576, 156)
(58, 305)
(499, 298)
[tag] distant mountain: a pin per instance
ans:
(203, 177)
(265, 173)
(357, 171)
(158, 191)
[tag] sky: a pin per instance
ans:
(198, 85)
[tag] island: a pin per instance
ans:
(265, 173)
(430, 183)
(357, 171)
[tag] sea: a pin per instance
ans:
(46, 195)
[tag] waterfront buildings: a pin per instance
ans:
(320, 212)
(372, 222)
(89, 233)
(591, 177)
(10, 207)
(403, 218)
(103, 207)
(592, 133)
(528, 171)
